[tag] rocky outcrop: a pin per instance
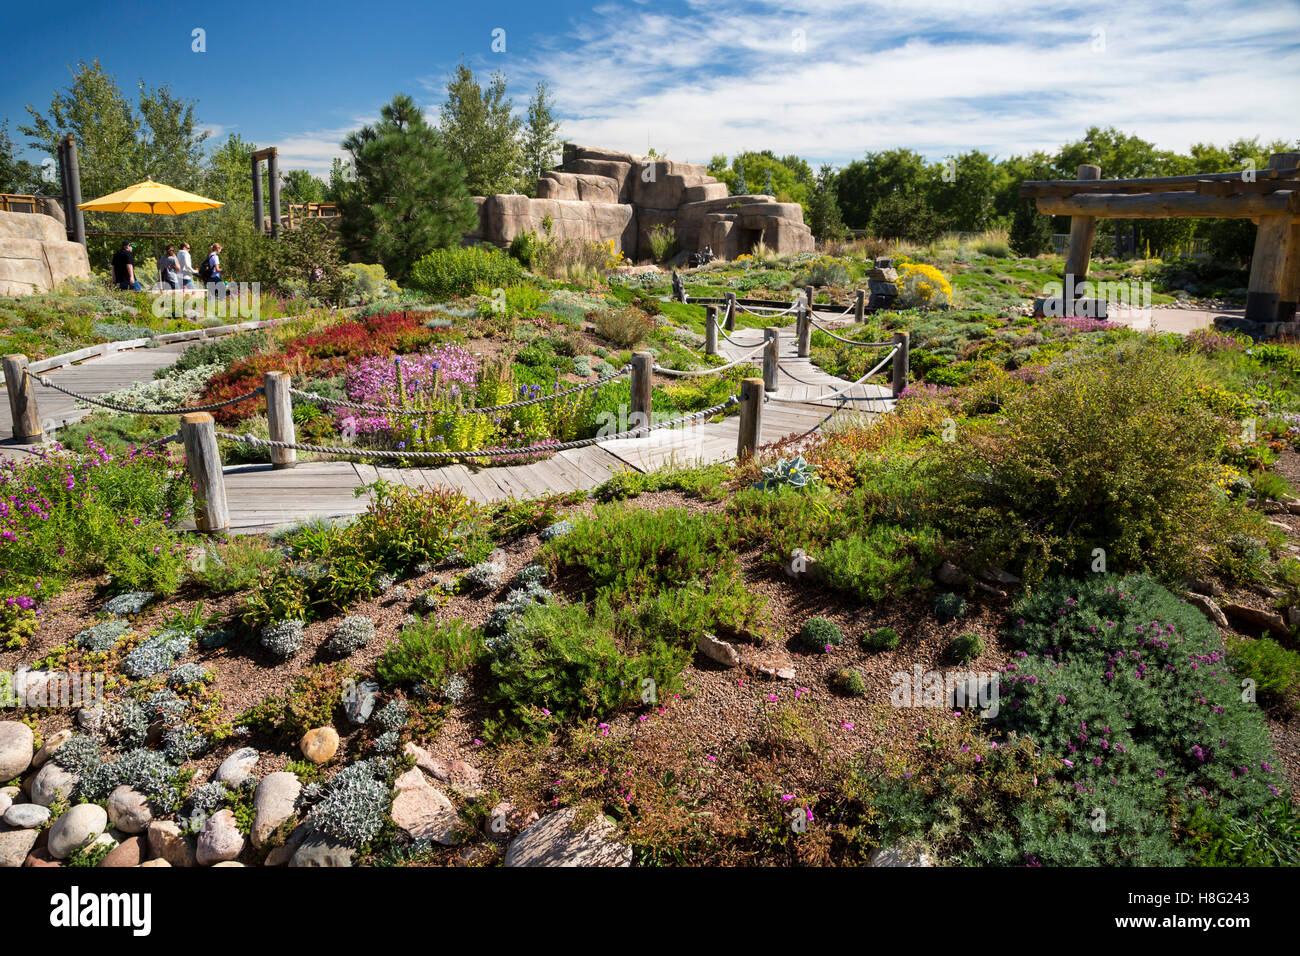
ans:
(35, 255)
(607, 196)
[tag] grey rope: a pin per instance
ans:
(677, 373)
(114, 406)
(841, 391)
(726, 336)
(874, 345)
(768, 313)
(164, 440)
(482, 452)
(364, 407)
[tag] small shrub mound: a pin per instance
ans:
(966, 647)
(848, 681)
(881, 639)
(1274, 669)
(818, 633)
(446, 272)
(949, 606)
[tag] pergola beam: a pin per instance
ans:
(1181, 205)
(1039, 188)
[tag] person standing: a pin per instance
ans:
(187, 265)
(170, 269)
(124, 268)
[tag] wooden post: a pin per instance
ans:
(401, 384)
(642, 364)
(279, 414)
(859, 306)
(273, 187)
(803, 329)
(1082, 230)
(203, 462)
(259, 211)
(76, 219)
(901, 363)
(751, 416)
(730, 323)
(711, 330)
(808, 298)
(28, 429)
(1286, 310)
(1268, 265)
(771, 361)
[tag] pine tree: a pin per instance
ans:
(742, 187)
(1031, 232)
(540, 139)
(408, 194)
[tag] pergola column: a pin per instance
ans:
(1082, 230)
(1271, 294)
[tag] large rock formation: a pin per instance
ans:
(35, 255)
(604, 195)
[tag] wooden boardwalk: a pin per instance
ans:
(260, 497)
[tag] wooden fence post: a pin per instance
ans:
(28, 429)
(730, 323)
(279, 415)
(808, 298)
(203, 462)
(642, 364)
(711, 330)
(859, 306)
(803, 328)
(771, 361)
(1268, 280)
(1082, 230)
(901, 363)
(751, 416)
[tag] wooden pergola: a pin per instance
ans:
(1269, 197)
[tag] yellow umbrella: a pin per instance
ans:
(153, 198)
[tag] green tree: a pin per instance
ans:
(298, 185)
(541, 139)
(823, 208)
(968, 203)
(408, 194)
(864, 184)
(16, 175)
(480, 132)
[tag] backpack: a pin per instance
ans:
(205, 270)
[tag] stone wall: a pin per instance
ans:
(35, 255)
(602, 194)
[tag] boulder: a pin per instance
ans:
(1254, 617)
(77, 827)
(220, 839)
(359, 701)
(554, 840)
(15, 844)
(720, 652)
(17, 743)
(319, 745)
(237, 767)
(166, 841)
(28, 816)
(130, 852)
(317, 849)
(52, 743)
(35, 254)
(129, 810)
(156, 862)
(1208, 607)
(274, 802)
(423, 812)
(51, 781)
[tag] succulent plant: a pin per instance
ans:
(818, 633)
(131, 602)
(156, 654)
(98, 638)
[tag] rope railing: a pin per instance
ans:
(678, 373)
(130, 410)
(500, 452)
(873, 345)
(768, 313)
(838, 392)
(400, 409)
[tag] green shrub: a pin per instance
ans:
(426, 652)
(966, 647)
(455, 271)
(849, 682)
(877, 561)
(1114, 453)
(368, 283)
(818, 634)
(309, 703)
(233, 565)
(948, 606)
(881, 639)
(623, 327)
(1274, 669)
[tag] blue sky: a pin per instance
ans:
(827, 79)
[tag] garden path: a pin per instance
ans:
(261, 497)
